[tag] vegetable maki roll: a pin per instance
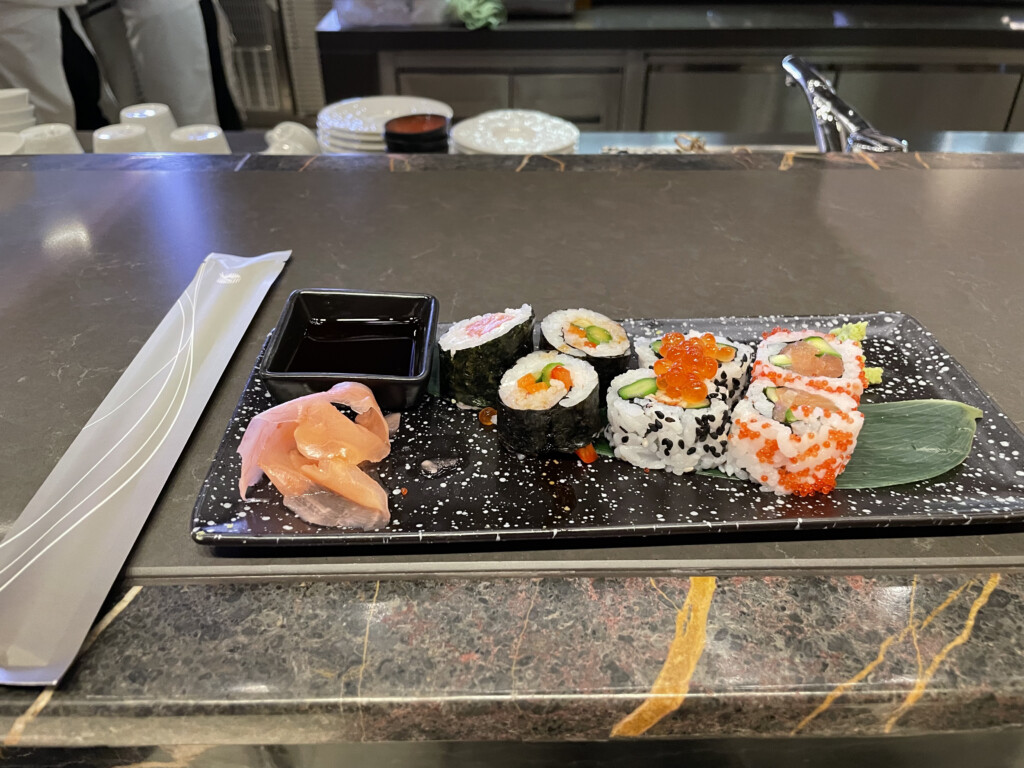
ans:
(812, 359)
(732, 357)
(590, 335)
(474, 352)
(548, 402)
(794, 439)
(651, 429)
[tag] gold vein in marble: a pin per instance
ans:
(923, 679)
(673, 682)
(843, 687)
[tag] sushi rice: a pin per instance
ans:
(651, 434)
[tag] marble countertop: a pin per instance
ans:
(95, 252)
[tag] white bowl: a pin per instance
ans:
(13, 98)
(11, 143)
(202, 138)
(157, 119)
(121, 139)
(516, 132)
(292, 134)
(367, 116)
(18, 113)
(16, 127)
(51, 139)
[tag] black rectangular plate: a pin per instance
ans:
(494, 496)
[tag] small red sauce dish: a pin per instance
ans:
(417, 133)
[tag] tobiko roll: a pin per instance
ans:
(548, 402)
(793, 439)
(589, 335)
(811, 359)
(475, 352)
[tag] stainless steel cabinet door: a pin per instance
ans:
(742, 102)
(590, 100)
(468, 94)
(898, 102)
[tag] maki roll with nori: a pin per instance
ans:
(589, 335)
(475, 352)
(548, 402)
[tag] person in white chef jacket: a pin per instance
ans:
(166, 41)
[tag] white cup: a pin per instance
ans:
(50, 139)
(120, 139)
(11, 143)
(292, 135)
(158, 121)
(201, 139)
(13, 98)
(288, 148)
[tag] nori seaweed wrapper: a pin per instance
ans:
(607, 367)
(556, 429)
(472, 376)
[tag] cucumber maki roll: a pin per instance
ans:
(589, 335)
(733, 360)
(650, 428)
(548, 402)
(475, 351)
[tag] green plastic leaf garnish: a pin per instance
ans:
(909, 441)
(905, 442)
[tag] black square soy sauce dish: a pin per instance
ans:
(382, 340)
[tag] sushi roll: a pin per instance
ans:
(474, 352)
(548, 402)
(812, 359)
(651, 429)
(793, 439)
(733, 359)
(589, 335)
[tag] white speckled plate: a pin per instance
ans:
(367, 116)
(488, 494)
(516, 132)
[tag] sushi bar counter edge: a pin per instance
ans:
(792, 656)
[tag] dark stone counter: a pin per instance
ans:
(93, 258)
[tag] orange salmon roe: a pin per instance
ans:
(685, 365)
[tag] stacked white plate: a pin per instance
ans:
(357, 125)
(16, 113)
(515, 132)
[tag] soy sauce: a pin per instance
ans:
(382, 347)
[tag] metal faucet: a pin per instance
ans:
(837, 126)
